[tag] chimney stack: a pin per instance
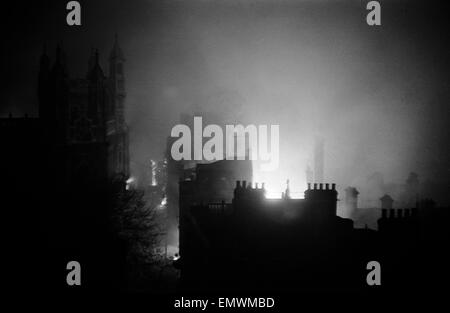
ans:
(391, 213)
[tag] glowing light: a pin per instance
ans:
(275, 182)
(129, 182)
(297, 195)
(163, 204)
(153, 166)
(273, 194)
(172, 252)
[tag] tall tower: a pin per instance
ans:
(96, 104)
(117, 114)
(117, 77)
(43, 84)
(57, 106)
(91, 63)
(351, 199)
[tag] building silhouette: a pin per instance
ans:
(65, 167)
(85, 118)
(259, 244)
(253, 242)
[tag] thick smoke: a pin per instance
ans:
(377, 96)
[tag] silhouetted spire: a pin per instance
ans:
(96, 72)
(116, 52)
(43, 81)
(58, 55)
(64, 60)
(91, 61)
(287, 193)
(58, 69)
(45, 60)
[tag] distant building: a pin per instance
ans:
(386, 202)
(400, 221)
(351, 199)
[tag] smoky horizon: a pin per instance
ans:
(376, 96)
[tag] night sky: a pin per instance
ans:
(377, 95)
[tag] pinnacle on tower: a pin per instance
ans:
(116, 52)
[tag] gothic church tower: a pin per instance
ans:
(117, 84)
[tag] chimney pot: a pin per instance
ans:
(391, 213)
(407, 213)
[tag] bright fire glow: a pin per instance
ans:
(273, 194)
(163, 204)
(129, 182)
(153, 166)
(275, 182)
